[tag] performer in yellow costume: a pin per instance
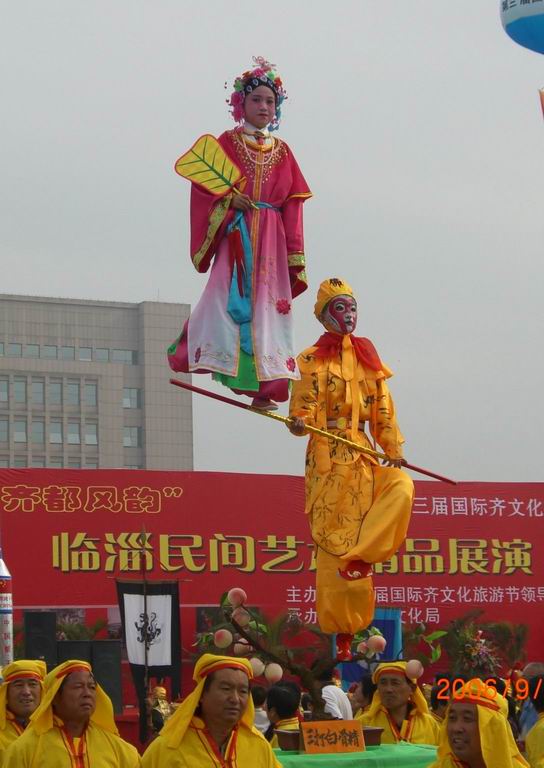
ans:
(20, 694)
(534, 741)
(358, 510)
(213, 727)
(477, 733)
(399, 707)
(73, 727)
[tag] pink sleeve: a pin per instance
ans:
(294, 230)
(210, 216)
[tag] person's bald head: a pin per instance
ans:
(532, 669)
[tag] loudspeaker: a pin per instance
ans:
(74, 649)
(40, 636)
(107, 670)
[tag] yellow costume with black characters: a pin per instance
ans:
(358, 510)
(184, 742)
(47, 744)
(10, 727)
(499, 750)
(419, 727)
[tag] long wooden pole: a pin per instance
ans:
(313, 430)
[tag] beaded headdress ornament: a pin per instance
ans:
(263, 73)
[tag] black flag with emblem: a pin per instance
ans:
(151, 632)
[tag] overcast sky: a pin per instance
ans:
(418, 127)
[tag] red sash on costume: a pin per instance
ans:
(330, 345)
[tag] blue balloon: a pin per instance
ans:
(523, 21)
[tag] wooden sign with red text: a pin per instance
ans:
(333, 736)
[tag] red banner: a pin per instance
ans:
(67, 534)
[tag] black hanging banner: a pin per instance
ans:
(151, 632)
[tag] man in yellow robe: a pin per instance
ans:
(534, 741)
(213, 727)
(399, 707)
(476, 733)
(358, 510)
(73, 727)
(20, 694)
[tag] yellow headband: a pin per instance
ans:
(176, 726)
(328, 289)
(42, 719)
(18, 670)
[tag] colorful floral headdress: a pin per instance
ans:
(263, 73)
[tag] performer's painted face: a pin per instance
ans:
(260, 106)
(340, 315)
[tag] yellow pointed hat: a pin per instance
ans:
(177, 724)
(328, 289)
(18, 670)
(42, 718)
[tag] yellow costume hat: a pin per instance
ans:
(42, 718)
(17, 670)
(175, 728)
(396, 668)
(328, 289)
(499, 749)
(159, 690)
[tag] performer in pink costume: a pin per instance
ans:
(241, 329)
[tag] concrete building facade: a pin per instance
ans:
(86, 384)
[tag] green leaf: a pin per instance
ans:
(435, 635)
(436, 653)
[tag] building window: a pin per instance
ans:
(72, 393)
(20, 461)
(49, 351)
(73, 433)
(67, 353)
(38, 461)
(91, 465)
(19, 390)
(131, 437)
(85, 354)
(55, 431)
(38, 432)
(4, 463)
(56, 463)
(32, 350)
(131, 397)
(15, 350)
(4, 430)
(38, 391)
(91, 394)
(132, 466)
(19, 431)
(55, 392)
(4, 390)
(126, 356)
(1, 349)
(74, 464)
(91, 434)
(102, 355)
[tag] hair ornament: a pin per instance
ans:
(263, 73)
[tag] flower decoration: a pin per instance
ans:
(478, 656)
(283, 306)
(290, 363)
(263, 73)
